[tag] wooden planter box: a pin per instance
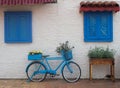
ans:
(102, 61)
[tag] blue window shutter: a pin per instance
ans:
(18, 27)
(86, 19)
(90, 25)
(25, 27)
(10, 22)
(106, 29)
(98, 26)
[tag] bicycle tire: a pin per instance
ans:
(31, 69)
(73, 76)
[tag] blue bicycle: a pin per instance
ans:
(38, 69)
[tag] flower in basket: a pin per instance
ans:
(35, 52)
(65, 50)
(64, 47)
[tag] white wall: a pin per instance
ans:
(54, 24)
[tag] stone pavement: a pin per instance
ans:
(53, 83)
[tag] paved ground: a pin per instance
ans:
(59, 84)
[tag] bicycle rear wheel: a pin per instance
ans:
(71, 72)
(36, 71)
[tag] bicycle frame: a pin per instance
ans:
(49, 69)
(40, 67)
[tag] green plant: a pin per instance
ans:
(100, 52)
(63, 47)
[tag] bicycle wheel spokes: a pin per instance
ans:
(35, 72)
(71, 72)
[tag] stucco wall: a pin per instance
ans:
(53, 24)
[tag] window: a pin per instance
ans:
(18, 27)
(98, 26)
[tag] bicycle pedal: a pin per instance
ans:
(51, 75)
(57, 74)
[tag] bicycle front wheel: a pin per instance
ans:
(36, 72)
(71, 72)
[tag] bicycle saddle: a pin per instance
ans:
(44, 56)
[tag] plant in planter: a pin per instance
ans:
(65, 50)
(101, 53)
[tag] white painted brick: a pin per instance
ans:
(52, 24)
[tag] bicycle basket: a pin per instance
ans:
(34, 56)
(67, 55)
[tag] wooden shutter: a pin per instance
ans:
(10, 27)
(25, 26)
(105, 27)
(18, 27)
(90, 26)
(98, 26)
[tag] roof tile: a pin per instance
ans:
(99, 6)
